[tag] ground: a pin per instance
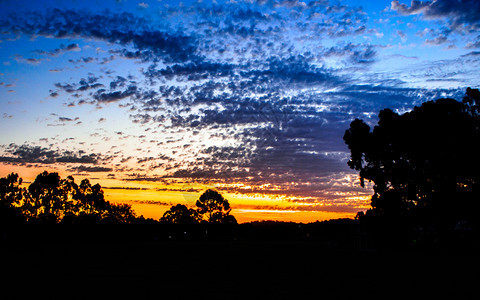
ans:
(229, 270)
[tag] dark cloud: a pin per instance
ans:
(31, 61)
(474, 44)
(462, 15)
(58, 51)
(66, 119)
(82, 86)
(290, 140)
(118, 82)
(125, 188)
(109, 27)
(22, 154)
(441, 39)
(82, 60)
(472, 53)
(89, 169)
(360, 54)
(415, 7)
(102, 96)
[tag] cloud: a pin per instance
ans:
(85, 60)
(89, 169)
(472, 53)
(473, 44)
(462, 15)
(416, 7)
(109, 27)
(290, 4)
(402, 35)
(22, 154)
(58, 51)
(82, 86)
(436, 41)
(118, 82)
(66, 119)
(102, 96)
(31, 61)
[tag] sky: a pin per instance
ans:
(159, 100)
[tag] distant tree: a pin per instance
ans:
(180, 214)
(472, 102)
(222, 218)
(424, 162)
(119, 213)
(214, 207)
(211, 208)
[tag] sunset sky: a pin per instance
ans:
(159, 100)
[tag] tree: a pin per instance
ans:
(91, 199)
(11, 195)
(214, 207)
(180, 214)
(211, 208)
(119, 213)
(424, 162)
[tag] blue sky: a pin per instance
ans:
(257, 92)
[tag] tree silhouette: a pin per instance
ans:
(119, 213)
(51, 199)
(180, 214)
(211, 208)
(214, 207)
(422, 163)
(11, 195)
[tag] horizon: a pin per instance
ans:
(158, 102)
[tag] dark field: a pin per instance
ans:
(109, 269)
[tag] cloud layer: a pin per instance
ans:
(258, 92)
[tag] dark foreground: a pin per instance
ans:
(152, 268)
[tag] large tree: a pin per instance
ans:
(424, 162)
(214, 207)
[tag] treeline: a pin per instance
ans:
(53, 200)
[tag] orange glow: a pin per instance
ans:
(152, 199)
(249, 215)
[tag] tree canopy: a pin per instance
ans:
(181, 214)
(211, 207)
(424, 162)
(51, 199)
